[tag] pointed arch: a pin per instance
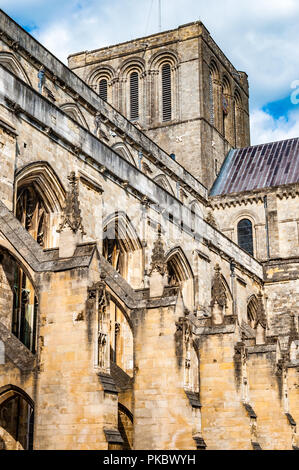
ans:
(180, 273)
(9, 390)
(16, 418)
(9, 60)
(251, 311)
(122, 247)
(163, 181)
(119, 224)
(74, 112)
(46, 181)
(124, 152)
(39, 198)
(181, 266)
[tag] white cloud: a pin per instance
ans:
(259, 37)
(264, 128)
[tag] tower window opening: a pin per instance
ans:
(134, 96)
(166, 93)
(103, 87)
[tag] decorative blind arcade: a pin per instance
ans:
(103, 89)
(134, 96)
(166, 92)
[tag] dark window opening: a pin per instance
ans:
(134, 96)
(245, 236)
(24, 310)
(103, 87)
(166, 92)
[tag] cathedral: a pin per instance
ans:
(149, 256)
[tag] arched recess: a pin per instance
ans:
(39, 199)
(196, 215)
(124, 152)
(214, 93)
(245, 235)
(163, 181)
(16, 419)
(18, 300)
(221, 297)
(122, 248)
(251, 316)
(180, 273)
(101, 80)
(133, 89)
(74, 112)
(238, 119)
(227, 123)
(165, 96)
(8, 60)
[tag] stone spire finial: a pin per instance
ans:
(218, 289)
(71, 228)
(71, 213)
(158, 262)
(260, 312)
(158, 269)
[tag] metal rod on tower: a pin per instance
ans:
(160, 16)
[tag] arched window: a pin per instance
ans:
(251, 311)
(180, 274)
(238, 119)
(226, 92)
(32, 214)
(134, 96)
(40, 197)
(166, 93)
(16, 419)
(103, 89)
(122, 248)
(245, 235)
(211, 98)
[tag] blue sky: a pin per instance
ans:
(258, 36)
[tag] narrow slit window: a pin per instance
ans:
(103, 87)
(166, 92)
(134, 96)
(245, 236)
(211, 98)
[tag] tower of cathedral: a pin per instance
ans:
(149, 256)
(180, 89)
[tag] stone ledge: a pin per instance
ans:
(262, 348)
(16, 351)
(215, 330)
(193, 398)
(108, 383)
(113, 436)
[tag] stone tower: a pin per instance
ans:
(180, 89)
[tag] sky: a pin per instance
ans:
(259, 37)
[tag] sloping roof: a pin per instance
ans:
(260, 166)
